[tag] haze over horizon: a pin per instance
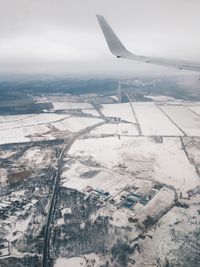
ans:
(64, 37)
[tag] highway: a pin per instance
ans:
(46, 261)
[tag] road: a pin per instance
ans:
(47, 233)
(134, 114)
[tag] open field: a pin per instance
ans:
(19, 121)
(188, 121)
(141, 158)
(153, 121)
(120, 129)
(195, 108)
(122, 111)
(41, 127)
(70, 105)
(75, 124)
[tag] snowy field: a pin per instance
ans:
(160, 98)
(26, 134)
(76, 177)
(71, 105)
(75, 262)
(41, 127)
(125, 129)
(92, 112)
(89, 260)
(11, 122)
(160, 203)
(75, 124)
(35, 157)
(153, 121)
(142, 158)
(175, 120)
(192, 146)
(195, 109)
(12, 118)
(188, 121)
(122, 111)
(174, 235)
(107, 129)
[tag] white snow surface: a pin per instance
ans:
(31, 120)
(188, 121)
(72, 178)
(92, 112)
(105, 129)
(127, 129)
(153, 122)
(160, 98)
(75, 124)
(26, 134)
(195, 108)
(122, 111)
(116, 129)
(71, 105)
(39, 127)
(142, 158)
(72, 262)
(86, 260)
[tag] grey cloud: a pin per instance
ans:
(63, 35)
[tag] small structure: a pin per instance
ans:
(88, 189)
(4, 248)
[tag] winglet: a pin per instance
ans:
(115, 45)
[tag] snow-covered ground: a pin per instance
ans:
(75, 124)
(188, 121)
(126, 163)
(72, 262)
(71, 105)
(126, 129)
(192, 146)
(174, 237)
(41, 127)
(87, 260)
(26, 134)
(116, 129)
(160, 98)
(195, 108)
(36, 156)
(80, 176)
(3, 177)
(153, 122)
(74, 177)
(13, 118)
(105, 129)
(161, 203)
(91, 111)
(20, 121)
(122, 111)
(142, 158)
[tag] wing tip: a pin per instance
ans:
(99, 16)
(115, 45)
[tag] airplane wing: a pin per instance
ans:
(118, 49)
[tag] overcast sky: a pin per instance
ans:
(63, 35)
